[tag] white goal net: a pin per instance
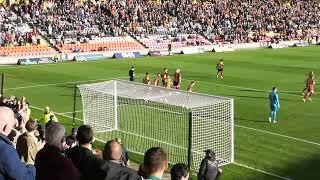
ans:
(143, 116)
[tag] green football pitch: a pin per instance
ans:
(287, 149)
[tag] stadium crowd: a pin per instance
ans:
(221, 21)
(13, 32)
(29, 151)
(72, 21)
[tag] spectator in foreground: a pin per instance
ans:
(155, 163)
(113, 152)
(10, 165)
(125, 155)
(89, 165)
(117, 171)
(50, 163)
(209, 167)
(28, 144)
(180, 171)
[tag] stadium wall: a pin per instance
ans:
(145, 52)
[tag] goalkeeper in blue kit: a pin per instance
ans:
(274, 105)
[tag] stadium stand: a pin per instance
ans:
(162, 42)
(102, 44)
(18, 38)
(71, 26)
(87, 27)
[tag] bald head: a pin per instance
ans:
(112, 151)
(7, 120)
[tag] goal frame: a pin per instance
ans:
(190, 159)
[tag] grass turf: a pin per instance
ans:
(248, 77)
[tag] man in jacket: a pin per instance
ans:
(50, 163)
(89, 165)
(28, 144)
(209, 169)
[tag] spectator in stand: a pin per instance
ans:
(10, 165)
(179, 172)
(125, 154)
(113, 152)
(155, 163)
(50, 163)
(89, 165)
(28, 144)
(47, 116)
(209, 167)
(71, 140)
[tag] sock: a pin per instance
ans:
(274, 116)
(271, 115)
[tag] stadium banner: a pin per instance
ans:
(278, 46)
(158, 53)
(253, 45)
(126, 55)
(300, 44)
(64, 57)
(222, 48)
(29, 61)
(89, 57)
(154, 53)
(208, 48)
(288, 43)
(194, 50)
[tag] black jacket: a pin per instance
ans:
(209, 169)
(51, 164)
(93, 167)
(88, 164)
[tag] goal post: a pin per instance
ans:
(184, 124)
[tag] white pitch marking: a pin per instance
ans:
(70, 112)
(264, 172)
(68, 82)
(252, 89)
(281, 135)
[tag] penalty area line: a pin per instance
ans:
(281, 135)
(262, 171)
(246, 88)
(70, 112)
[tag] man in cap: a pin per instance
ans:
(47, 116)
(209, 167)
